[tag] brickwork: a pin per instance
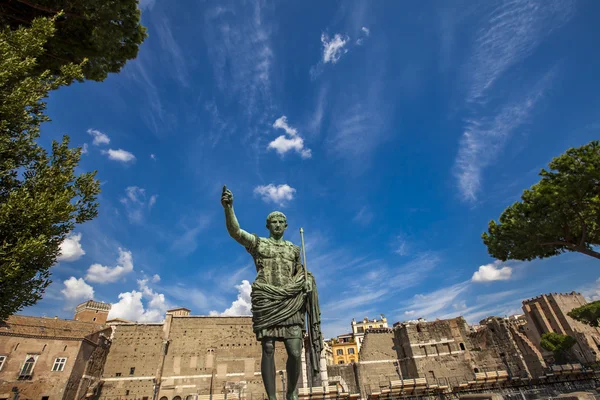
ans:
(221, 352)
(45, 340)
(92, 311)
(548, 313)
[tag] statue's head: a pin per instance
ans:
(276, 223)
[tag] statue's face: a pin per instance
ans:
(277, 226)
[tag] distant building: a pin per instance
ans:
(92, 311)
(328, 352)
(51, 358)
(344, 349)
(548, 313)
(360, 327)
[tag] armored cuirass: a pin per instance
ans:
(275, 262)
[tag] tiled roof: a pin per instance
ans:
(48, 327)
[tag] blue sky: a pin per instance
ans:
(392, 132)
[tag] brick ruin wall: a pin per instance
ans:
(344, 376)
(223, 350)
(46, 382)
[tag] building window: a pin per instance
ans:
(164, 398)
(94, 319)
(27, 369)
(360, 329)
(131, 370)
(476, 370)
(127, 392)
(59, 364)
(177, 398)
(45, 397)
(340, 352)
(462, 346)
(350, 351)
(2, 360)
(341, 362)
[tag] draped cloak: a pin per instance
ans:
(279, 299)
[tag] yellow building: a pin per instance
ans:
(345, 349)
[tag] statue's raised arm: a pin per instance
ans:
(233, 227)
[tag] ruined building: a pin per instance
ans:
(445, 353)
(183, 356)
(51, 358)
(548, 313)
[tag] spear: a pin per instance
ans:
(304, 255)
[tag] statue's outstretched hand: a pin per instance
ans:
(226, 198)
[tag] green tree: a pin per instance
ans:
(588, 314)
(105, 32)
(559, 345)
(558, 214)
(41, 197)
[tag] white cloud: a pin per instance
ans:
(99, 137)
(156, 278)
(365, 34)
(70, 248)
(131, 307)
(77, 290)
(492, 272)
(334, 48)
(147, 4)
(84, 148)
(242, 305)
(279, 194)
(101, 274)
(283, 144)
(119, 155)
(135, 203)
(153, 156)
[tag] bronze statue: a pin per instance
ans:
(283, 294)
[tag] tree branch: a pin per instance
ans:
(48, 10)
(583, 235)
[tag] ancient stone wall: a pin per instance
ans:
(221, 353)
(344, 376)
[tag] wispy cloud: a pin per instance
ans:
(171, 47)
(428, 305)
(136, 203)
(508, 35)
(364, 216)
(187, 241)
(334, 48)
(240, 50)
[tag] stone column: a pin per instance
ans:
(304, 367)
(323, 368)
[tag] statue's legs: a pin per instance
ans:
(293, 366)
(267, 367)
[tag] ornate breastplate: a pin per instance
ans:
(275, 262)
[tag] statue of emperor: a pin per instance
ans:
(283, 294)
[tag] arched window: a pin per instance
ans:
(189, 397)
(462, 346)
(164, 398)
(476, 370)
(177, 398)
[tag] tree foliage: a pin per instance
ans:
(105, 32)
(588, 314)
(41, 197)
(558, 214)
(559, 345)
